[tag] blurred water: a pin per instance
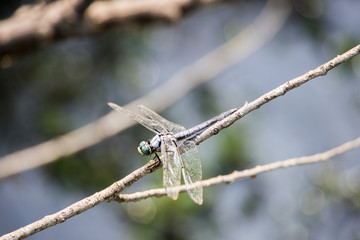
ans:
(66, 86)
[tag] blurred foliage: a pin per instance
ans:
(83, 173)
(164, 218)
(232, 152)
(339, 183)
(311, 14)
(206, 101)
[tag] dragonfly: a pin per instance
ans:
(179, 154)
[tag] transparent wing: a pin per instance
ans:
(191, 169)
(172, 127)
(150, 124)
(171, 167)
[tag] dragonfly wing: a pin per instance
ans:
(191, 170)
(172, 127)
(171, 167)
(150, 124)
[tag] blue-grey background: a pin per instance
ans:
(66, 85)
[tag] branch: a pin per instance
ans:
(103, 14)
(236, 175)
(82, 205)
(265, 26)
(277, 92)
(33, 26)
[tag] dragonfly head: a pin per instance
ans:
(144, 148)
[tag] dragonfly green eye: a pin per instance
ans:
(144, 148)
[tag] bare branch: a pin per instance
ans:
(277, 92)
(236, 175)
(110, 12)
(265, 26)
(33, 26)
(82, 205)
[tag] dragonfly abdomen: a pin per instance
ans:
(202, 126)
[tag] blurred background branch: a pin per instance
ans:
(254, 36)
(34, 26)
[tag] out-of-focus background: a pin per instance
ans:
(67, 84)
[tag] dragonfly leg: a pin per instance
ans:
(157, 163)
(157, 157)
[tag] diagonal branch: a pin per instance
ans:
(82, 205)
(236, 175)
(277, 92)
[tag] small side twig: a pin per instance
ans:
(236, 175)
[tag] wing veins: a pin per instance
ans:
(150, 124)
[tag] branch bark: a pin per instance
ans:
(33, 26)
(82, 205)
(277, 92)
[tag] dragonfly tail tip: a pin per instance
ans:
(113, 105)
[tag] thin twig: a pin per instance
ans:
(236, 175)
(265, 26)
